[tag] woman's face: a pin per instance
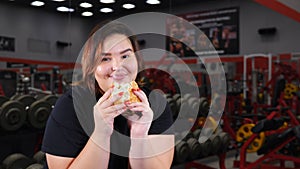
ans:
(118, 62)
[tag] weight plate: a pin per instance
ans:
(225, 137)
(39, 157)
(195, 148)
(17, 161)
(38, 113)
(51, 99)
(35, 166)
(12, 115)
(3, 99)
(26, 100)
(216, 143)
(205, 147)
(14, 97)
(181, 152)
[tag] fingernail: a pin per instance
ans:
(127, 102)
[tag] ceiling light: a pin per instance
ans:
(85, 5)
(87, 13)
(153, 2)
(58, 0)
(107, 1)
(106, 10)
(37, 3)
(128, 6)
(64, 9)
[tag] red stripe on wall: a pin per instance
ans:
(280, 8)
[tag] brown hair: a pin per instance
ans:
(93, 45)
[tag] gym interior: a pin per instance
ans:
(229, 69)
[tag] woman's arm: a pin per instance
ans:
(92, 156)
(96, 151)
(155, 151)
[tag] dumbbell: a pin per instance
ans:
(216, 143)
(196, 133)
(183, 108)
(38, 113)
(37, 110)
(203, 106)
(205, 142)
(12, 114)
(173, 107)
(26, 100)
(192, 143)
(194, 104)
(51, 99)
(225, 138)
(35, 166)
(182, 149)
(39, 157)
(17, 161)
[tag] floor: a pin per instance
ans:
(231, 156)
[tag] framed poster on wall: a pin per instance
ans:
(7, 44)
(220, 27)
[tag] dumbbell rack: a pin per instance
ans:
(26, 138)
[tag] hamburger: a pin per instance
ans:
(126, 89)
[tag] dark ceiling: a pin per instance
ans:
(141, 6)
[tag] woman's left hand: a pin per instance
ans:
(140, 122)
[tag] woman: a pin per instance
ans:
(72, 140)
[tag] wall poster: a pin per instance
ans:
(220, 27)
(7, 44)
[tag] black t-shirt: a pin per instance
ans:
(67, 130)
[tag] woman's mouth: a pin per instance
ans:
(118, 77)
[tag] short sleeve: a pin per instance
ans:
(64, 135)
(163, 117)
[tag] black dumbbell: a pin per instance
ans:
(39, 157)
(182, 152)
(12, 114)
(38, 113)
(51, 99)
(195, 148)
(225, 138)
(26, 100)
(35, 166)
(17, 161)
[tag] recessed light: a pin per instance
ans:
(153, 2)
(106, 10)
(85, 5)
(64, 9)
(37, 3)
(107, 1)
(87, 13)
(58, 0)
(128, 6)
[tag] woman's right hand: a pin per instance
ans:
(105, 112)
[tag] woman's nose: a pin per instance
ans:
(117, 64)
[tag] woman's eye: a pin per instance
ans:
(104, 59)
(125, 56)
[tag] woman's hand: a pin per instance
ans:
(105, 112)
(140, 122)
